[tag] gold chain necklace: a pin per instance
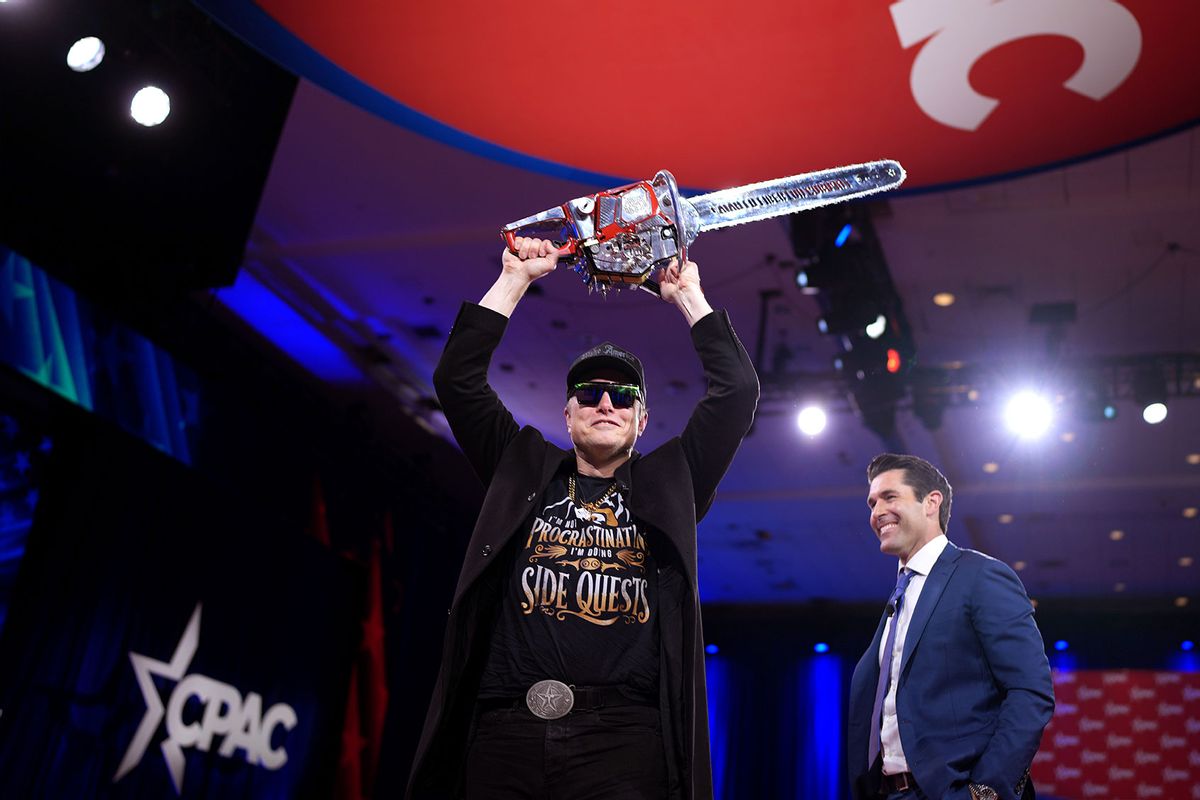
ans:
(595, 504)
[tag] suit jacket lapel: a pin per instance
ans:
(931, 592)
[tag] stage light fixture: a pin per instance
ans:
(1028, 414)
(811, 420)
(150, 106)
(943, 299)
(1061, 645)
(1150, 391)
(851, 315)
(820, 647)
(86, 54)
(711, 649)
(894, 361)
(843, 235)
(1093, 401)
(876, 329)
(1187, 645)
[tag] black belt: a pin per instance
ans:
(587, 698)
(900, 782)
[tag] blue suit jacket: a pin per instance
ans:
(974, 689)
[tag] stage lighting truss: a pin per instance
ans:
(1092, 390)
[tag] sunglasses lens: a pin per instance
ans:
(622, 397)
(590, 394)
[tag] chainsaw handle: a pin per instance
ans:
(568, 249)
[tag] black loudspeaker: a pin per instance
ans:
(107, 204)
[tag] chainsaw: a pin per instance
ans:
(619, 237)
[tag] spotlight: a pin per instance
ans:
(150, 106)
(821, 647)
(1187, 645)
(1150, 390)
(1028, 414)
(1061, 645)
(86, 54)
(943, 299)
(1154, 413)
(843, 235)
(876, 328)
(711, 649)
(894, 361)
(811, 420)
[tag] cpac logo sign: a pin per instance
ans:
(960, 32)
(240, 721)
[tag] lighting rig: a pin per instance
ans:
(875, 371)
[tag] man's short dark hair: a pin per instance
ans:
(922, 476)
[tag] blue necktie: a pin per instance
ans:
(885, 669)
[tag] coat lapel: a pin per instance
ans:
(931, 593)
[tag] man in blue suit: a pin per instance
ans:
(950, 699)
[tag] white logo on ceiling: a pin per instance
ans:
(960, 32)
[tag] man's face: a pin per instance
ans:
(903, 523)
(604, 430)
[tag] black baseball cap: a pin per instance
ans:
(607, 357)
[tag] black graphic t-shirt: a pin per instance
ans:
(580, 601)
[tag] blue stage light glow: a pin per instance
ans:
(843, 235)
(818, 770)
(820, 647)
(1061, 645)
(711, 649)
(286, 329)
(720, 687)
(1187, 645)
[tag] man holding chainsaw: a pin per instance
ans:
(573, 663)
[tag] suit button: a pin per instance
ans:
(531, 496)
(487, 550)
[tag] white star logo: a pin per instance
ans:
(145, 668)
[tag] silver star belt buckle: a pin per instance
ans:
(550, 699)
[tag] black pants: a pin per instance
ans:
(603, 753)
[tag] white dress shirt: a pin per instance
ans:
(894, 761)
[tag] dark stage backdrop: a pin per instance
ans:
(162, 642)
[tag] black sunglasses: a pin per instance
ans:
(621, 395)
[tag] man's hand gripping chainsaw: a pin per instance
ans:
(620, 236)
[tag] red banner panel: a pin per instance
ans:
(728, 93)
(1122, 735)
